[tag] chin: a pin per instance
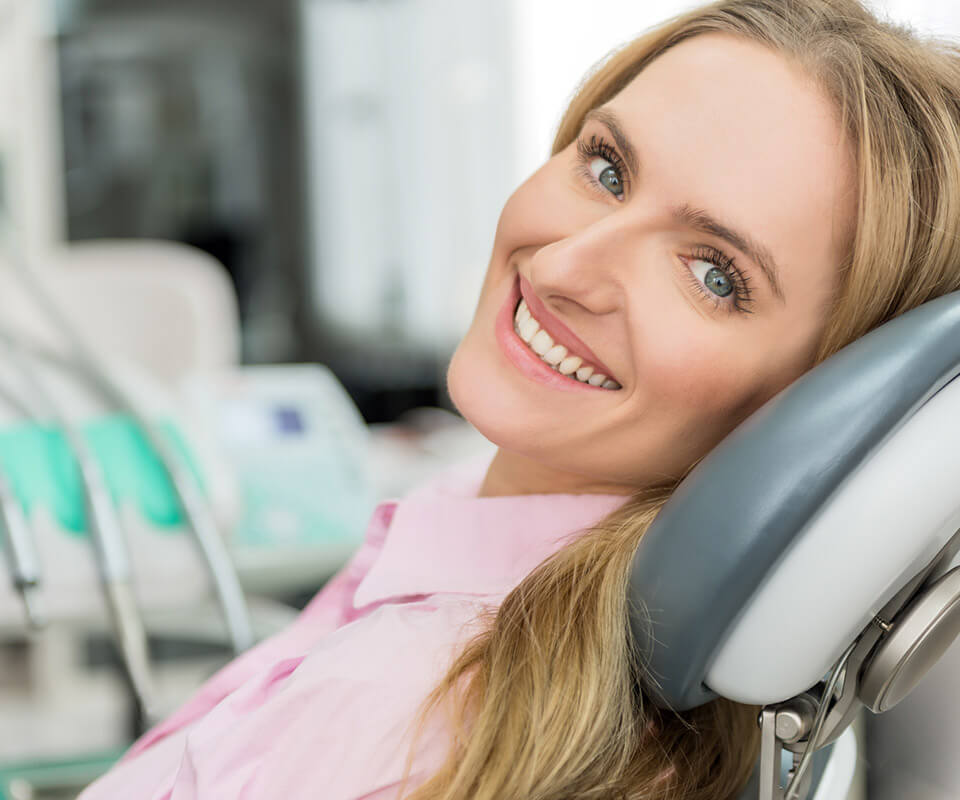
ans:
(488, 401)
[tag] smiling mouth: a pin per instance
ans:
(556, 356)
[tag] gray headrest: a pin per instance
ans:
(740, 509)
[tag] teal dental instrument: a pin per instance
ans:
(197, 513)
(106, 535)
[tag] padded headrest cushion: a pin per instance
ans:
(741, 509)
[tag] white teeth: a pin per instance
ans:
(556, 355)
(541, 342)
(522, 311)
(570, 364)
(527, 328)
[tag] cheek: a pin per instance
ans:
(705, 381)
(464, 383)
(476, 385)
(702, 381)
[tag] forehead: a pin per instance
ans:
(726, 124)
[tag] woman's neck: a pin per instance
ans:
(513, 474)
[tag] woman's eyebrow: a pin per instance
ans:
(695, 218)
(700, 220)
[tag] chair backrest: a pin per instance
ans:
(836, 503)
(167, 307)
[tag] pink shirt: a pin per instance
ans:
(324, 708)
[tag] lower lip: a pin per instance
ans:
(523, 358)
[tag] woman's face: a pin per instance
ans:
(686, 247)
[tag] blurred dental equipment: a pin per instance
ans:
(280, 453)
(106, 534)
(22, 560)
(109, 543)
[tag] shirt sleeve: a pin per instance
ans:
(331, 608)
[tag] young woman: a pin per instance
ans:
(731, 198)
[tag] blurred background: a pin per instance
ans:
(344, 162)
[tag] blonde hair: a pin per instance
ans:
(547, 702)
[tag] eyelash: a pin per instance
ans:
(598, 146)
(742, 293)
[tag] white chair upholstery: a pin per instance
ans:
(167, 307)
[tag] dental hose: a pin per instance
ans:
(106, 536)
(23, 563)
(196, 509)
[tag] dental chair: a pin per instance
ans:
(913, 749)
(808, 564)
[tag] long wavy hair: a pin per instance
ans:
(547, 702)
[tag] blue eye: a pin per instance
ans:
(717, 278)
(607, 176)
(717, 282)
(602, 166)
(711, 276)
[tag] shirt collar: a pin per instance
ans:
(444, 538)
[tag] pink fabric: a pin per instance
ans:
(324, 708)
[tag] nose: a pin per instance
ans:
(587, 267)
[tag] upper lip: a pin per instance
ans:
(559, 332)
